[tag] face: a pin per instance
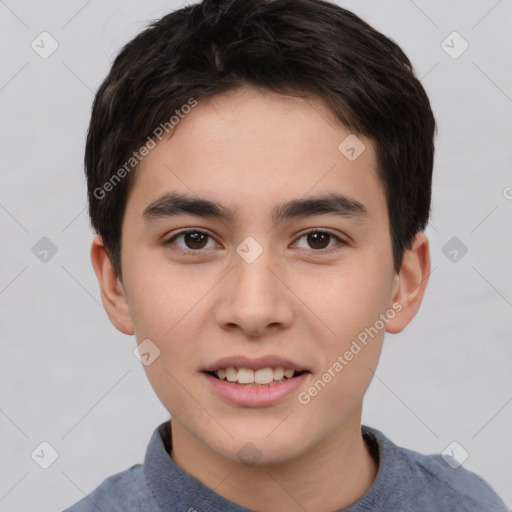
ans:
(277, 254)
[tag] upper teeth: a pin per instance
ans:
(249, 376)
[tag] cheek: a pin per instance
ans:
(350, 358)
(164, 299)
(348, 299)
(356, 303)
(351, 305)
(170, 373)
(166, 308)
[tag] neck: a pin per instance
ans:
(333, 475)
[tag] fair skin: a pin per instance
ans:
(305, 298)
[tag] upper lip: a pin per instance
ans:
(268, 361)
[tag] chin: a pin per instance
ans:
(261, 445)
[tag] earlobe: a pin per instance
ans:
(410, 283)
(112, 291)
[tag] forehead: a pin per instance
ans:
(252, 149)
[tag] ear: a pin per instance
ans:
(410, 283)
(113, 294)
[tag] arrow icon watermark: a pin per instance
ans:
(351, 147)
(146, 352)
(249, 249)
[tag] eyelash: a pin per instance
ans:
(337, 239)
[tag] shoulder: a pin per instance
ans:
(122, 492)
(436, 485)
(459, 486)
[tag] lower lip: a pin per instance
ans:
(256, 396)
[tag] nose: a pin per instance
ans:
(254, 298)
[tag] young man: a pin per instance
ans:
(259, 179)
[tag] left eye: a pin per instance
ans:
(319, 240)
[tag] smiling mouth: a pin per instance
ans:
(250, 377)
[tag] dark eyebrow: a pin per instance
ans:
(174, 204)
(171, 205)
(335, 204)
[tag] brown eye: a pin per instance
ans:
(318, 240)
(195, 240)
(192, 240)
(321, 241)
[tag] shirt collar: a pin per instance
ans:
(170, 484)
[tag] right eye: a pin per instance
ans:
(191, 240)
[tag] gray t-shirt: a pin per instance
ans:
(406, 482)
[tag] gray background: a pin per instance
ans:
(69, 378)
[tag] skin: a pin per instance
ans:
(250, 150)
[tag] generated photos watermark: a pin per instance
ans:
(361, 341)
(137, 156)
